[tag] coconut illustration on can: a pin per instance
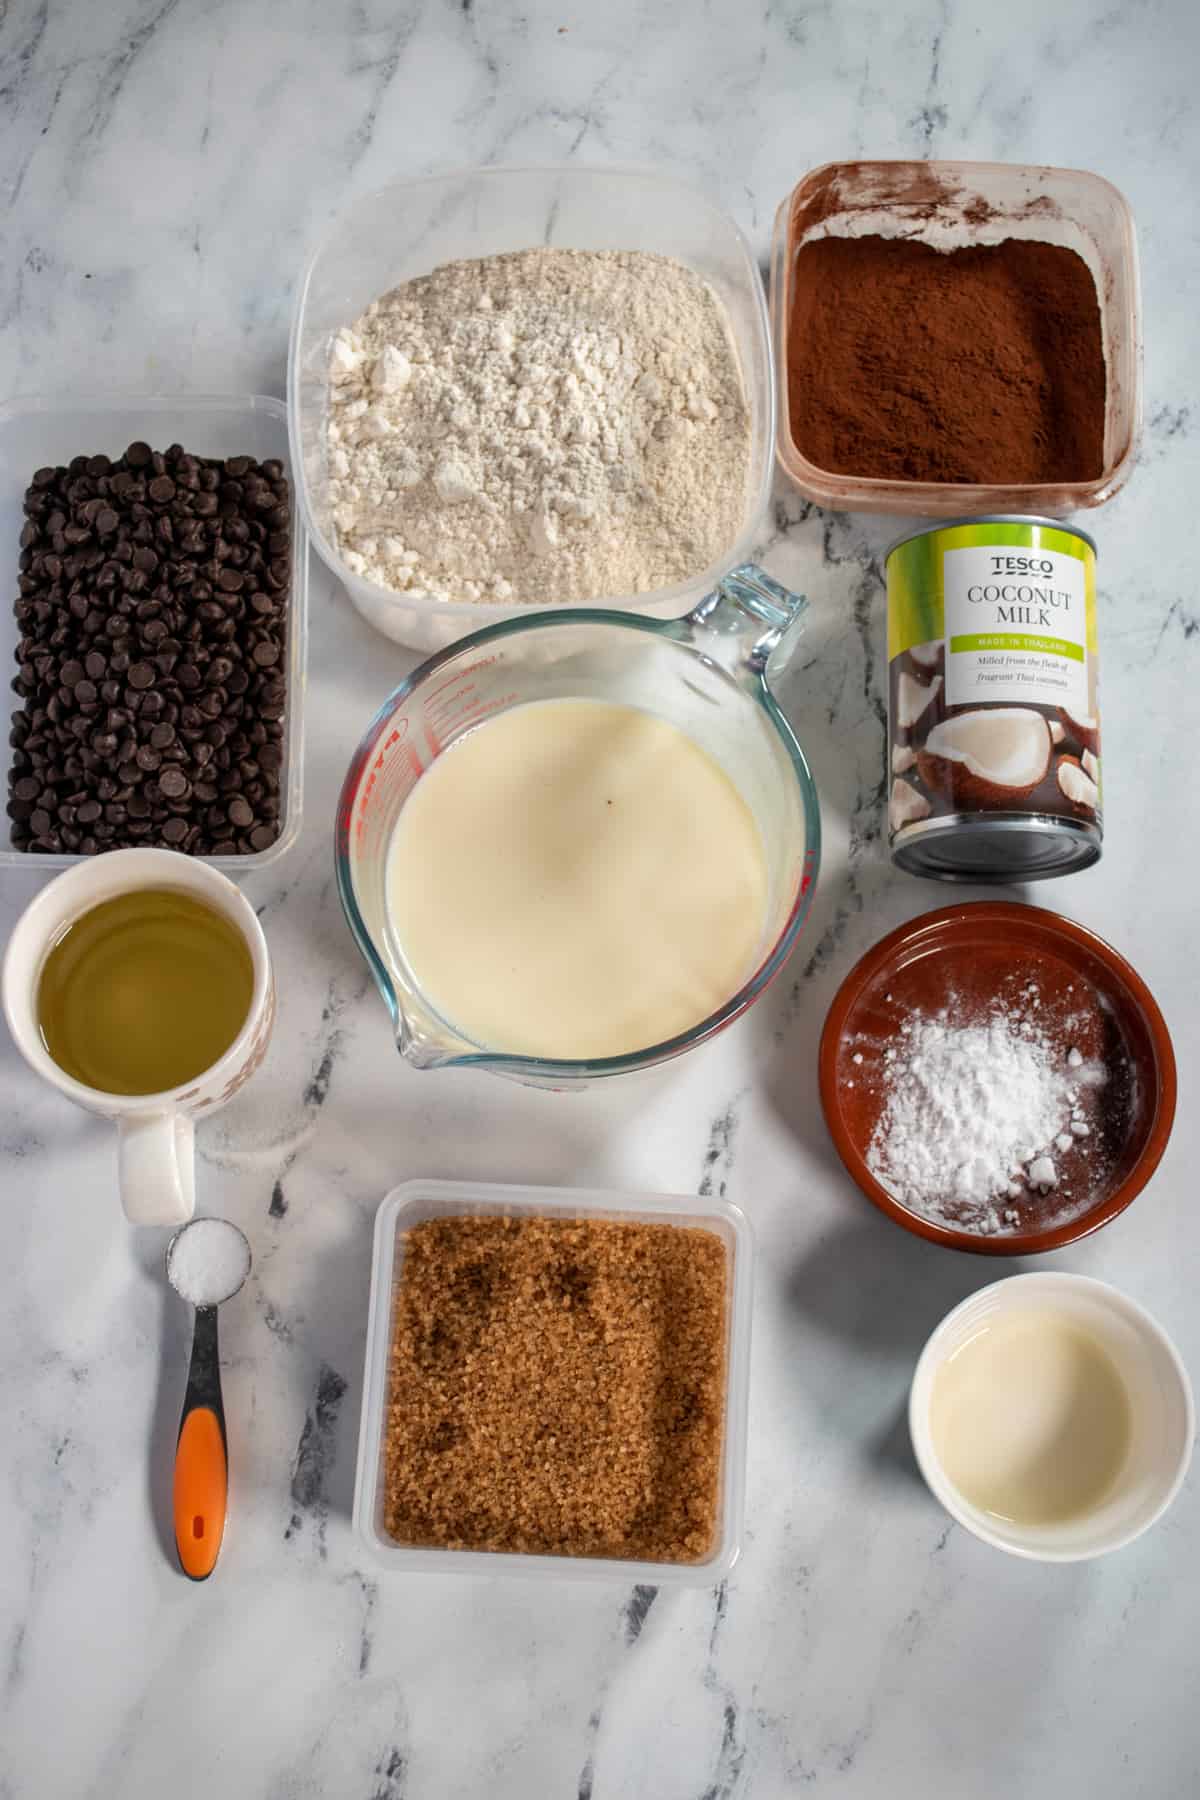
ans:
(993, 708)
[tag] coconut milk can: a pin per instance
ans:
(993, 709)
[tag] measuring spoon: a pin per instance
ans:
(207, 1262)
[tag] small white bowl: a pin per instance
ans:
(1160, 1398)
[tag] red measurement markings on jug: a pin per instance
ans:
(464, 709)
(455, 705)
(396, 764)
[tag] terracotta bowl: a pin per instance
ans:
(966, 955)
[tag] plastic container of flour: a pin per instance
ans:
(414, 1202)
(412, 227)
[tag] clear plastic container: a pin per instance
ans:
(34, 433)
(951, 205)
(415, 1201)
(412, 227)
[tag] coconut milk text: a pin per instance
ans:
(993, 714)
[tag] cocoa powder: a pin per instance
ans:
(977, 365)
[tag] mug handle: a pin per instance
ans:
(157, 1168)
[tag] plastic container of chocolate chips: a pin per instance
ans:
(37, 432)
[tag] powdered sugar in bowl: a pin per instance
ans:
(997, 1078)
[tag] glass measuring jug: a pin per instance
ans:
(705, 673)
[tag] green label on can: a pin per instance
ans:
(993, 703)
(999, 640)
(1014, 605)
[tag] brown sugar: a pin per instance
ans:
(557, 1387)
(908, 363)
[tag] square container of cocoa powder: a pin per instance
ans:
(416, 1203)
(951, 206)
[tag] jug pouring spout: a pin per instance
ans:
(748, 621)
(423, 1042)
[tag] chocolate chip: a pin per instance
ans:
(174, 830)
(174, 784)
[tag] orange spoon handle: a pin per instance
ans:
(201, 1457)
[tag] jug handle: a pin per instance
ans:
(746, 619)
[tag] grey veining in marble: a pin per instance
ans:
(165, 167)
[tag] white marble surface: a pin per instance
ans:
(165, 168)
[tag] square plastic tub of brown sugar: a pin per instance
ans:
(950, 206)
(422, 1203)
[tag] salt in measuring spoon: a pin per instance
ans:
(207, 1262)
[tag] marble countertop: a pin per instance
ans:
(166, 168)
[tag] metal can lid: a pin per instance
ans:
(992, 847)
(991, 519)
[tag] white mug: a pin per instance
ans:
(156, 1154)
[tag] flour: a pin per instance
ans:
(976, 1112)
(542, 426)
